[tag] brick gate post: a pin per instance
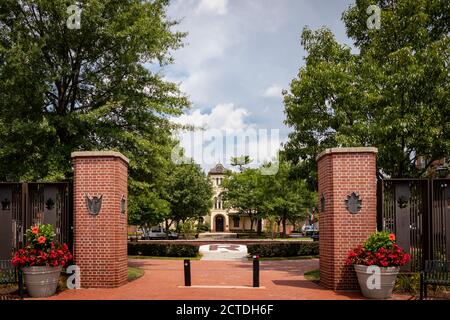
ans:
(341, 172)
(100, 237)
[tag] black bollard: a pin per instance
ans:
(187, 273)
(255, 272)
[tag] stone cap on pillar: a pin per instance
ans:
(347, 150)
(96, 154)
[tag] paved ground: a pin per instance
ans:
(224, 252)
(283, 280)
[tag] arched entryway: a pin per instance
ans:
(220, 223)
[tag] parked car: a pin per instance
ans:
(159, 233)
(310, 230)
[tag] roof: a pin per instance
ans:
(218, 169)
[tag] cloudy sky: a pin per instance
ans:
(238, 57)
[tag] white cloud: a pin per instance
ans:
(217, 7)
(223, 117)
(226, 133)
(274, 91)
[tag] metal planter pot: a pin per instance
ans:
(387, 282)
(41, 282)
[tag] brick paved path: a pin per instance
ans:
(163, 278)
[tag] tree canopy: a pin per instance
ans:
(286, 198)
(393, 93)
(92, 88)
(189, 193)
(242, 193)
(281, 196)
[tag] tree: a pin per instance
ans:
(285, 197)
(240, 162)
(147, 210)
(65, 89)
(242, 194)
(189, 193)
(392, 94)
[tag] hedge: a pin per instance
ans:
(284, 249)
(162, 250)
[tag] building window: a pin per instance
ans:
(236, 222)
(215, 203)
(219, 203)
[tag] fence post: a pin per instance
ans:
(255, 272)
(187, 273)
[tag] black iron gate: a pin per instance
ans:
(418, 212)
(23, 205)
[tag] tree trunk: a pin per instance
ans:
(167, 224)
(284, 226)
(259, 227)
(278, 226)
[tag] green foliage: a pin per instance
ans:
(393, 93)
(379, 240)
(242, 193)
(146, 209)
(203, 227)
(408, 283)
(162, 250)
(284, 249)
(188, 229)
(44, 232)
(241, 162)
(63, 90)
(189, 193)
(285, 197)
(279, 197)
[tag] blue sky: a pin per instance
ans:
(239, 56)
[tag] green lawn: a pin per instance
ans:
(313, 275)
(134, 273)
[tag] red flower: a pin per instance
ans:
(392, 237)
(41, 239)
(35, 230)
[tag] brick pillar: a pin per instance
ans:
(100, 241)
(341, 172)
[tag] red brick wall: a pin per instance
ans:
(100, 242)
(341, 172)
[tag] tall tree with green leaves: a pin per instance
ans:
(393, 93)
(66, 89)
(189, 193)
(240, 162)
(242, 193)
(286, 198)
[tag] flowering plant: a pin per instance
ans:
(41, 250)
(379, 250)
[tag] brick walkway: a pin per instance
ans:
(283, 280)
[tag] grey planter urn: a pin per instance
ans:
(41, 282)
(388, 276)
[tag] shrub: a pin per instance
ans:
(409, 283)
(203, 227)
(284, 249)
(162, 250)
